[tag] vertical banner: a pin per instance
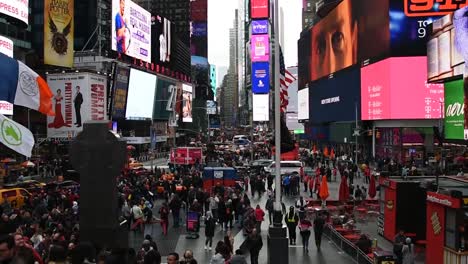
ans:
(78, 97)
(460, 23)
(260, 48)
(454, 112)
(58, 32)
(6, 47)
(187, 91)
(260, 77)
(120, 92)
(261, 107)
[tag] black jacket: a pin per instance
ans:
(210, 226)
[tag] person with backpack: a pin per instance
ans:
(164, 216)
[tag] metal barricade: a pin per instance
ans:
(347, 246)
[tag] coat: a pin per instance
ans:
(408, 254)
(238, 259)
(217, 259)
(210, 226)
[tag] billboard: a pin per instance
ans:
(444, 59)
(119, 101)
(260, 77)
(18, 9)
(259, 9)
(356, 30)
(166, 93)
(78, 98)
(199, 29)
(259, 27)
(261, 107)
(162, 47)
(131, 30)
(303, 104)
(304, 60)
(335, 99)
(6, 47)
(211, 107)
(396, 88)
(418, 8)
(141, 94)
(408, 32)
(454, 110)
(260, 48)
(59, 32)
(187, 98)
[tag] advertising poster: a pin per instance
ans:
(259, 27)
(119, 102)
(260, 48)
(162, 46)
(187, 103)
(59, 32)
(454, 110)
(131, 30)
(6, 47)
(211, 107)
(78, 97)
(166, 92)
(260, 77)
(141, 94)
(460, 23)
(18, 9)
(199, 29)
(303, 104)
(259, 9)
(396, 88)
(361, 33)
(261, 107)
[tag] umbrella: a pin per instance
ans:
(28, 164)
(372, 189)
(323, 193)
(343, 193)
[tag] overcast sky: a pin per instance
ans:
(221, 17)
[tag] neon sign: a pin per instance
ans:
(418, 8)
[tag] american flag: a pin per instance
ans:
(286, 78)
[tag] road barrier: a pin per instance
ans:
(347, 246)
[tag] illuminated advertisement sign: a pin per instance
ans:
(187, 98)
(18, 9)
(454, 110)
(261, 107)
(131, 30)
(396, 88)
(259, 27)
(259, 8)
(6, 47)
(120, 92)
(260, 77)
(260, 48)
(303, 104)
(417, 8)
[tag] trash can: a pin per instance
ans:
(384, 257)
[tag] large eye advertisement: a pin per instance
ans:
(354, 31)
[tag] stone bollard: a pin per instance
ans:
(99, 158)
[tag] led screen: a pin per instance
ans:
(141, 91)
(259, 8)
(261, 106)
(396, 88)
(303, 104)
(454, 110)
(260, 48)
(187, 98)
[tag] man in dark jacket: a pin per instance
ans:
(210, 226)
(319, 223)
(254, 243)
(292, 220)
(238, 258)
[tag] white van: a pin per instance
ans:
(238, 137)
(287, 167)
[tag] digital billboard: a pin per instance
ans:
(211, 107)
(119, 101)
(259, 9)
(304, 49)
(131, 30)
(261, 107)
(259, 27)
(260, 48)
(162, 46)
(454, 110)
(78, 98)
(396, 88)
(303, 104)
(166, 93)
(335, 99)
(356, 30)
(417, 8)
(6, 47)
(187, 99)
(59, 30)
(260, 77)
(18, 9)
(141, 94)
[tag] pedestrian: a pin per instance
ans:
(222, 217)
(254, 243)
(214, 200)
(210, 226)
(238, 258)
(408, 252)
(292, 220)
(138, 218)
(304, 228)
(164, 216)
(269, 206)
(218, 257)
(188, 258)
(175, 204)
(173, 258)
(358, 193)
(319, 223)
(259, 217)
(398, 243)
(229, 215)
(287, 185)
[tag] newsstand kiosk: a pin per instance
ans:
(447, 226)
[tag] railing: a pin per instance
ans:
(347, 246)
(451, 256)
(148, 157)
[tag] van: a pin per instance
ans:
(239, 137)
(287, 167)
(15, 196)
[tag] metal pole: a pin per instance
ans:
(373, 141)
(356, 134)
(251, 138)
(208, 126)
(277, 113)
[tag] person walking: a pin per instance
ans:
(188, 258)
(304, 229)
(138, 216)
(291, 219)
(319, 223)
(238, 258)
(210, 226)
(398, 243)
(254, 243)
(164, 216)
(259, 218)
(269, 206)
(408, 252)
(175, 204)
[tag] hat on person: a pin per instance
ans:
(408, 240)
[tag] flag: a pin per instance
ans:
(22, 86)
(16, 136)
(286, 78)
